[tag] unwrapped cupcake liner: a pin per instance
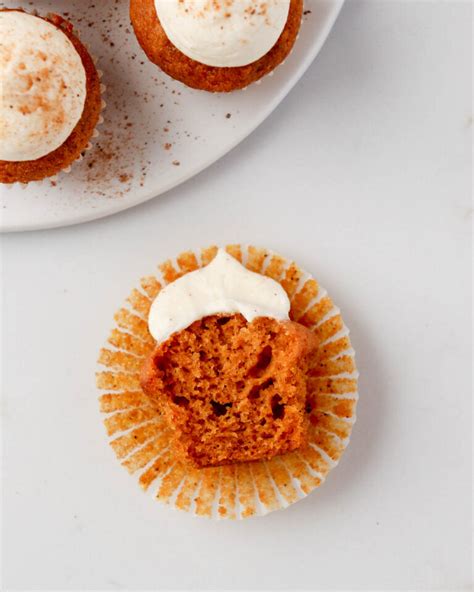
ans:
(95, 134)
(139, 435)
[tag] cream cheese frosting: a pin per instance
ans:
(42, 87)
(224, 286)
(223, 33)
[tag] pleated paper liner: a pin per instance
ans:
(95, 134)
(139, 435)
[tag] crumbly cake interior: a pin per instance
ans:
(231, 390)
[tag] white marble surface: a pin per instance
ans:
(363, 176)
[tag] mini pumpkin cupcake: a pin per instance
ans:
(230, 383)
(50, 96)
(216, 45)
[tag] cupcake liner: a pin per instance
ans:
(95, 134)
(141, 439)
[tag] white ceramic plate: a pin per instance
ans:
(156, 132)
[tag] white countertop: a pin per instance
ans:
(363, 177)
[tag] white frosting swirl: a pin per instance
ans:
(42, 87)
(224, 33)
(224, 286)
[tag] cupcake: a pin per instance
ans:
(230, 383)
(229, 371)
(217, 46)
(50, 96)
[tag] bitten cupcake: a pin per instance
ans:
(216, 45)
(230, 383)
(229, 372)
(50, 96)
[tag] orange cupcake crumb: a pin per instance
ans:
(232, 391)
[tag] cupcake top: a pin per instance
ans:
(223, 33)
(224, 286)
(42, 87)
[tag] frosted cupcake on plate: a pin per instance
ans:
(216, 45)
(230, 383)
(50, 96)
